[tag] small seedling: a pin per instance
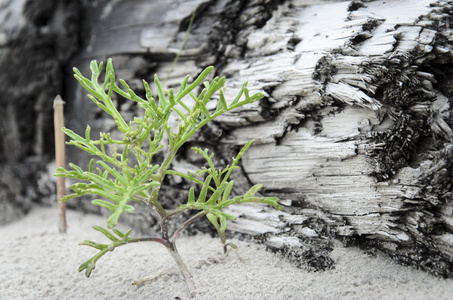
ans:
(123, 176)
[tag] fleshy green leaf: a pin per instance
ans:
(227, 192)
(214, 220)
(204, 190)
(216, 195)
(191, 195)
(90, 264)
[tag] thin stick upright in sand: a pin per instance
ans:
(60, 159)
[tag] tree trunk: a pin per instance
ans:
(354, 134)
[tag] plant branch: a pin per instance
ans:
(187, 223)
(153, 199)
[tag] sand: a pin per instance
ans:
(37, 262)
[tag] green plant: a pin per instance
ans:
(131, 174)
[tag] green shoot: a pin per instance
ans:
(119, 180)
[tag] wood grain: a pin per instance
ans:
(354, 133)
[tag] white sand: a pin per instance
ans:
(36, 262)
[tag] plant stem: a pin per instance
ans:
(161, 175)
(188, 279)
(171, 246)
(189, 27)
(187, 223)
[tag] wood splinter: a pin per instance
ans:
(60, 160)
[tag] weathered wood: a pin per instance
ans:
(354, 134)
(60, 160)
(37, 38)
(359, 129)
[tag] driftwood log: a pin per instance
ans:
(37, 39)
(355, 132)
